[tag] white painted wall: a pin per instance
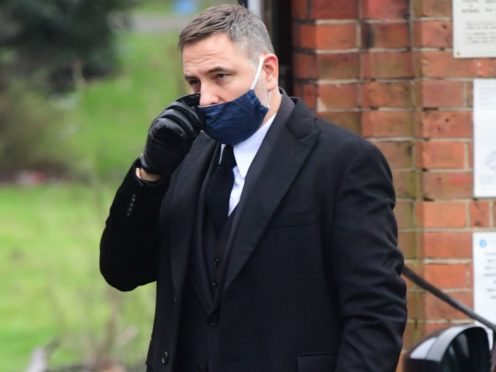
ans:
(256, 7)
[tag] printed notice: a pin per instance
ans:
(474, 28)
(484, 251)
(484, 137)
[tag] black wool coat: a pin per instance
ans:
(313, 278)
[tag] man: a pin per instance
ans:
(296, 268)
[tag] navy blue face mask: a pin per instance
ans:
(234, 121)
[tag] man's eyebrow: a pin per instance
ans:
(210, 71)
(189, 77)
(218, 69)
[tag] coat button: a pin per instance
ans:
(213, 319)
(217, 262)
(165, 357)
(214, 283)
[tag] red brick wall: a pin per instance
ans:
(384, 69)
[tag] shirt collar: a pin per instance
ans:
(245, 151)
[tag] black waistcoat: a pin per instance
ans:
(198, 341)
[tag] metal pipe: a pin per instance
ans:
(424, 284)
(256, 6)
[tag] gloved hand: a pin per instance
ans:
(170, 136)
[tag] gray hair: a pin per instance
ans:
(241, 26)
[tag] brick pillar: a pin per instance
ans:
(384, 69)
(446, 212)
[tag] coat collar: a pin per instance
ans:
(184, 205)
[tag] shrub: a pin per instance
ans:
(31, 132)
(61, 38)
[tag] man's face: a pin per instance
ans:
(218, 69)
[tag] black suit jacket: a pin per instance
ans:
(313, 281)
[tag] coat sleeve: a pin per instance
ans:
(129, 243)
(367, 265)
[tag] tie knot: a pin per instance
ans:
(228, 159)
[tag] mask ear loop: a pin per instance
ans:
(257, 76)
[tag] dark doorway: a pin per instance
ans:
(280, 26)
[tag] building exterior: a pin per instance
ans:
(385, 69)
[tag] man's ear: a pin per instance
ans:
(271, 71)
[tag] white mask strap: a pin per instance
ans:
(259, 70)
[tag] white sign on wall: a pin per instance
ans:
(474, 28)
(484, 116)
(484, 254)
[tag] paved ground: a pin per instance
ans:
(154, 24)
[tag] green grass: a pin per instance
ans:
(165, 6)
(153, 6)
(51, 289)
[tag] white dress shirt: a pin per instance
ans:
(244, 153)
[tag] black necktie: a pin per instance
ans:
(219, 190)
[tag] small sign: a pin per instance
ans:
(484, 116)
(484, 254)
(474, 28)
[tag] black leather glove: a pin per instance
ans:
(170, 136)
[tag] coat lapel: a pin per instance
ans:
(184, 204)
(278, 162)
(199, 270)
